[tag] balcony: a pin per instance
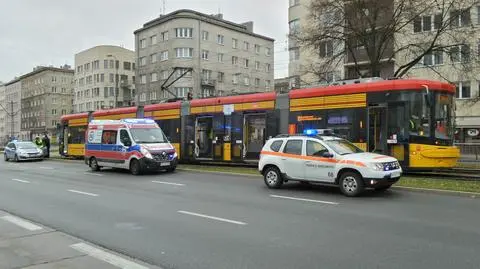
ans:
(209, 82)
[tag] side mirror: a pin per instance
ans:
(327, 154)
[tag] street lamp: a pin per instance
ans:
(116, 78)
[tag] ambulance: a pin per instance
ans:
(137, 145)
(319, 156)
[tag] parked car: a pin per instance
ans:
(22, 151)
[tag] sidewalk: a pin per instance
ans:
(24, 244)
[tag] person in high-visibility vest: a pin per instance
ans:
(38, 142)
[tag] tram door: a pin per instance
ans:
(204, 138)
(377, 134)
(254, 135)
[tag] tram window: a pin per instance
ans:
(419, 122)
(396, 122)
(76, 135)
(443, 121)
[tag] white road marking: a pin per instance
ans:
(93, 174)
(304, 200)
(22, 223)
(212, 217)
(20, 180)
(84, 193)
(46, 168)
(106, 256)
(168, 183)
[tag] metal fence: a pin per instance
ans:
(469, 152)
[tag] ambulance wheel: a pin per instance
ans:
(94, 164)
(273, 178)
(351, 184)
(135, 168)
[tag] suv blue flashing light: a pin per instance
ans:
(310, 132)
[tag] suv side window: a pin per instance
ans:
(10, 145)
(276, 145)
(315, 149)
(293, 147)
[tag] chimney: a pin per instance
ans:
(219, 16)
(249, 25)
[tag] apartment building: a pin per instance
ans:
(104, 78)
(3, 116)
(47, 94)
(208, 55)
(459, 65)
(13, 95)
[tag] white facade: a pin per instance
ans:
(226, 57)
(98, 71)
(13, 97)
(3, 117)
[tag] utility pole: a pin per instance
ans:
(12, 118)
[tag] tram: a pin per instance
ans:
(409, 119)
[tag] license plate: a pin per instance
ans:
(165, 164)
(396, 174)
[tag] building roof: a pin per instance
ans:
(105, 46)
(39, 70)
(191, 14)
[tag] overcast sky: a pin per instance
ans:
(50, 32)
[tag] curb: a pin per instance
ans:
(439, 191)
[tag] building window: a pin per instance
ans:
(294, 54)
(153, 39)
(326, 48)
(220, 57)
(111, 64)
(220, 39)
(294, 26)
(153, 77)
(460, 54)
(143, 43)
(165, 36)
(165, 74)
(205, 55)
(143, 97)
(257, 82)
(204, 35)
(143, 79)
(235, 78)
(433, 58)
(294, 3)
(96, 64)
(102, 77)
(268, 51)
(183, 32)
(246, 81)
(153, 95)
(460, 18)
(257, 65)
(127, 66)
(111, 77)
(183, 71)
(463, 90)
(182, 91)
(427, 23)
(54, 112)
(207, 93)
(220, 76)
(184, 52)
(246, 62)
(267, 84)
(246, 45)
(143, 61)
(234, 60)
(267, 68)
(164, 55)
(206, 74)
(105, 64)
(153, 58)
(234, 43)
(257, 48)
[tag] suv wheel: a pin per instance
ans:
(351, 184)
(5, 158)
(15, 158)
(273, 178)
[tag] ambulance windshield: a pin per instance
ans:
(148, 135)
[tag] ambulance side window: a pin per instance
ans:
(125, 138)
(109, 137)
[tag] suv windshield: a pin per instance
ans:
(26, 145)
(342, 146)
(146, 136)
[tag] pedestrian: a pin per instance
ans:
(46, 144)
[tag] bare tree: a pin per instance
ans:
(378, 37)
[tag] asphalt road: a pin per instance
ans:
(205, 220)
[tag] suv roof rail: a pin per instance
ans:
(301, 135)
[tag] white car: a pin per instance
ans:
(327, 160)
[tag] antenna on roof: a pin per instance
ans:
(163, 8)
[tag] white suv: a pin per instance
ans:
(327, 160)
